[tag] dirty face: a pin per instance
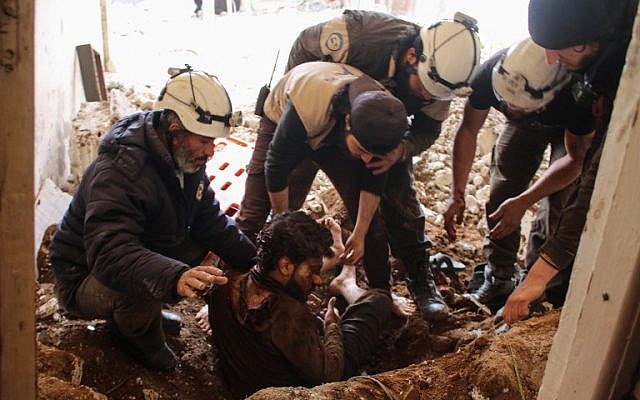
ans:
(352, 146)
(575, 58)
(407, 76)
(191, 152)
(305, 277)
(417, 88)
(356, 150)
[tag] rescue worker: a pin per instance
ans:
(341, 119)
(144, 217)
(536, 100)
(423, 67)
(595, 45)
(265, 334)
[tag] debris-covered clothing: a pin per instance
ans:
(133, 227)
(277, 342)
(134, 316)
(517, 156)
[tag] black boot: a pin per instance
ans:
(494, 291)
(425, 292)
(149, 349)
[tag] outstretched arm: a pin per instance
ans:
(531, 288)
(354, 248)
(560, 174)
(464, 150)
(286, 150)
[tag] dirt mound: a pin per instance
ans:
(509, 366)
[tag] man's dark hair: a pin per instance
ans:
(418, 45)
(340, 106)
(292, 234)
(168, 117)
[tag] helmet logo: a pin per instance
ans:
(335, 41)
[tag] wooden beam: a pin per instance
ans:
(17, 269)
(595, 351)
(91, 72)
(106, 50)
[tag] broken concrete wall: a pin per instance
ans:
(60, 25)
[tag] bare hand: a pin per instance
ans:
(517, 306)
(454, 215)
(382, 163)
(198, 279)
(508, 215)
(531, 288)
(353, 249)
(331, 315)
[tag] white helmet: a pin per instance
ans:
(524, 80)
(450, 57)
(199, 100)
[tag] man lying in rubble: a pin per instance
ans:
(423, 67)
(144, 217)
(535, 97)
(264, 332)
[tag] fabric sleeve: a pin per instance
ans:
(580, 120)
(306, 47)
(114, 223)
(373, 183)
(315, 358)
(561, 248)
(483, 96)
(287, 149)
(220, 234)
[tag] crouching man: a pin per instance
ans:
(265, 334)
(144, 217)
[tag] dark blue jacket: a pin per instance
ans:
(133, 227)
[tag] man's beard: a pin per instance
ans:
(185, 160)
(342, 146)
(295, 290)
(586, 62)
(402, 79)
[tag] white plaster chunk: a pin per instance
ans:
(442, 179)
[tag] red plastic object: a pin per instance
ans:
(227, 172)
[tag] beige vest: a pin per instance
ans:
(310, 88)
